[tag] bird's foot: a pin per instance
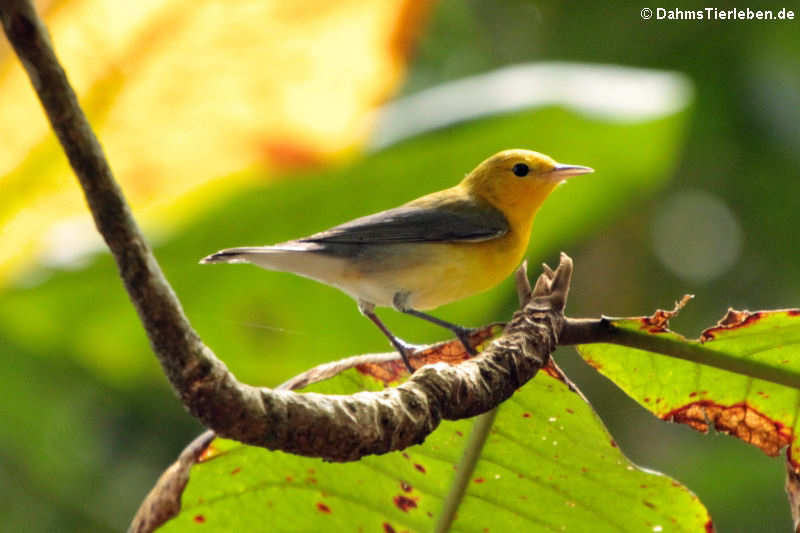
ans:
(463, 335)
(406, 350)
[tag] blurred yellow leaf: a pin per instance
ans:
(184, 95)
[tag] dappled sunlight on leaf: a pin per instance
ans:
(187, 95)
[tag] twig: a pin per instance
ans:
(464, 469)
(601, 330)
(523, 284)
(388, 367)
(334, 368)
(164, 499)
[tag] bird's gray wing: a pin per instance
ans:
(460, 221)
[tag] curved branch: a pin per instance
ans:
(190, 366)
(337, 428)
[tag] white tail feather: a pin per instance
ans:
(297, 257)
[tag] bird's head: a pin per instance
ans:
(518, 181)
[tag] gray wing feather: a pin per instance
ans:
(458, 222)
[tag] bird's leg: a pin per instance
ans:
(400, 302)
(460, 331)
(404, 348)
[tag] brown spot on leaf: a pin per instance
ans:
(289, 479)
(323, 508)
(478, 480)
(209, 453)
(733, 319)
(405, 486)
(658, 322)
(289, 155)
(236, 470)
(387, 372)
(649, 504)
(709, 526)
(593, 363)
(451, 352)
(646, 399)
(387, 528)
(419, 467)
(739, 420)
(570, 411)
(199, 519)
(793, 312)
(613, 443)
(526, 415)
(550, 369)
(404, 503)
(459, 433)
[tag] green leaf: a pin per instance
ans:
(726, 397)
(548, 464)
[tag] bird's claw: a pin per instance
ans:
(463, 335)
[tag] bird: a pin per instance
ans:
(428, 252)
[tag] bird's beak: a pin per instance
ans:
(561, 172)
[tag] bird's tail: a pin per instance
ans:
(232, 255)
(292, 256)
(258, 254)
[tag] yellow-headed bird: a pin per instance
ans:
(428, 252)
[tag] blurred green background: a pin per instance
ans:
(89, 422)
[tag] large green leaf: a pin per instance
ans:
(547, 464)
(761, 412)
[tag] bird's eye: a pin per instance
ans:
(520, 169)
